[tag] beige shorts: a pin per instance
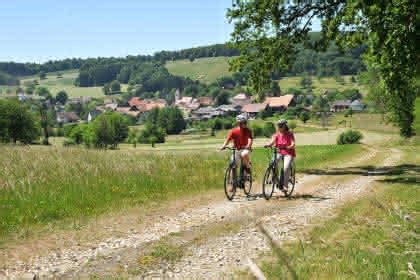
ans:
(239, 154)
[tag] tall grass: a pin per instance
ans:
(39, 185)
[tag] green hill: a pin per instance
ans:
(206, 70)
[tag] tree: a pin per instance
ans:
(306, 82)
(115, 86)
(42, 75)
(275, 88)
(222, 98)
(269, 129)
(133, 137)
(42, 91)
(106, 89)
(152, 134)
(17, 123)
(62, 97)
(109, 129)
(304, 116)
(268, 32)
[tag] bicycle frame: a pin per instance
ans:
(274, 162)
(232, 164)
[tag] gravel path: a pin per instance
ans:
(215, 257)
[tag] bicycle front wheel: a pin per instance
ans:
(292, 181)
(269, 182)
(230, 184)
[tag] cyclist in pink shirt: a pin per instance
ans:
(284, 140)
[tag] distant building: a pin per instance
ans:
(357, 105)
(132, 111)
(93, 114)
(241, 99)
(252, 110)
(340, 105)
(67, 117)
(280, 103)
(146, 104)
(111, 106)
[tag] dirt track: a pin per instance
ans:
(217, 253)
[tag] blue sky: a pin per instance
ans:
(36, 31)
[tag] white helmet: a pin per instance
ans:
(241, 118)
(282, 122)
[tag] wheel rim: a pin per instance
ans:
(268, 184)
(230, 188)
(248, 184)
(291, 183)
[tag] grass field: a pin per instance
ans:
(39, 187)
(209, 69)
(366, 121)
(417, 119)
(373, 238)
(206, 70)
(66, 83)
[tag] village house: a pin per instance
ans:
(340, 105)
(252, 110)
(357, 106)
(111, 106)
(132, 111)
(281, 103)
(146, 104)
(67, 117)
(94, 113)
(241, 99)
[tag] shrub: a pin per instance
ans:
(257, 130)
(349, 137)
(292, 125)
(69, 142)
(269, 129)
(304, 116)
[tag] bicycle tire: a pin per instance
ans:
(269, 183)
(247, 190)
(229, 182)
(292, 182)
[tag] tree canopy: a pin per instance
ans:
(267, 32)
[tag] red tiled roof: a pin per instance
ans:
(281, 101)
(254, 108)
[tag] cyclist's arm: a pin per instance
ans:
(249, 145)
(292, 143)
(272, 141)
(227, 141)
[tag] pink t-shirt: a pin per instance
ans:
(285, 139)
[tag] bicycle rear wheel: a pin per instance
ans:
(230, 183)
(269, 182)
(247, 181)
(292, 181)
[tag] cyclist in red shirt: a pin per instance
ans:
(284, 140)
(242, 140)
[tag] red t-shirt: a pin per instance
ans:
(240, 137)
(285, 140)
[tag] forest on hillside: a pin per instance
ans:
(99, 71)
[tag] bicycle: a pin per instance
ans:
(273, 180)
(232, 181)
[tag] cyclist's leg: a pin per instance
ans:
(245, 158)
(287, 163)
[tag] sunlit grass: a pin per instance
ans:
(41, 185)
(373, 238)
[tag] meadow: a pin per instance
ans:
(372, 238)
(66, 83)
(208, 70)
(46, 185)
